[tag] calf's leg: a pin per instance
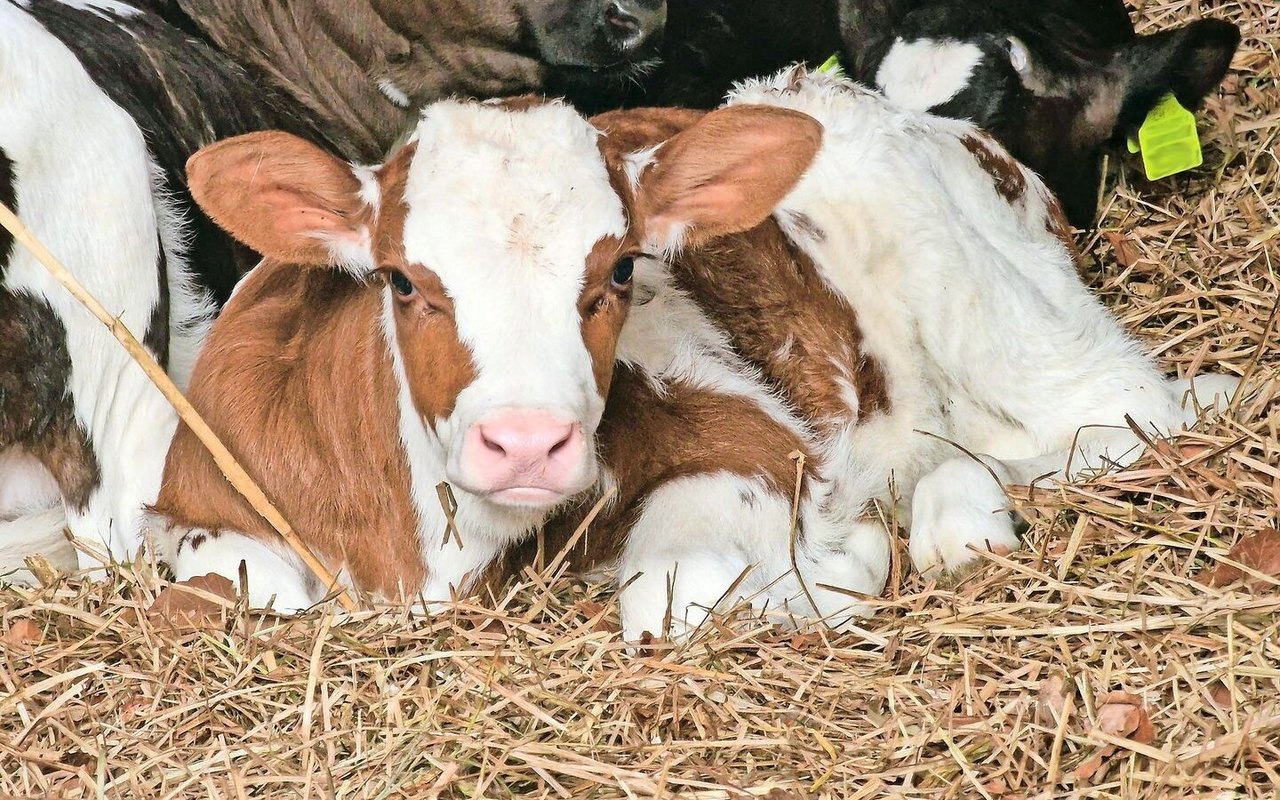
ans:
(276, 578)
(961, 506)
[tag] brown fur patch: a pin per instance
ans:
(604, 307)
(296, 377)
(1003, 169)
(649, 438)
(767, 295)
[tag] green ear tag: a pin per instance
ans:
(832, 67)
(1168, 140)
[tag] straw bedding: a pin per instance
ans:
(1098, 662)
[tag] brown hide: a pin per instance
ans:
(299, 355)
(648, 438)
(765, 294)
(331, 55)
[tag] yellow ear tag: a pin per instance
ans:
(1168, 140)
(832, 67)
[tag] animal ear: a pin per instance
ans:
(724, 174)
(1188, 62)
(284, 197)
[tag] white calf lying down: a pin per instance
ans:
(451, 316)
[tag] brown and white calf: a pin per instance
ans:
(452, 316)
(914, 289)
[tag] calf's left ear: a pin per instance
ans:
(284, 197)
(724, 174)
(1188, 62)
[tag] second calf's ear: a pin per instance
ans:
(725, 174)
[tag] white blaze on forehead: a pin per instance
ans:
(925, 73)
(504, 206)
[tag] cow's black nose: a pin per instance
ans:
(631, 23)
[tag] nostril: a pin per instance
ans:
(491, 445)
(624, 21)
(560, 446)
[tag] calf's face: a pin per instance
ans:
(499, 243)
(1053, 80)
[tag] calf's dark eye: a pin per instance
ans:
(401, 284)
(622, 272)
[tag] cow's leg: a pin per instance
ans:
(276, 578)
(962, 506)
(685, 552)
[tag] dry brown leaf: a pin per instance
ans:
(1119, 714)
(800, 642)
(997, 787)
(1122, 714)
(1259, 551)
(193, 603)
(1220, 694)
(23, 634)
(1126, 252)
(1053, 699)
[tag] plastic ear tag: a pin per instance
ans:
(832, 67)
(1168, 140)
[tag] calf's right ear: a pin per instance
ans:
(284, 197)
(725, 174)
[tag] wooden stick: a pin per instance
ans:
(226, 462)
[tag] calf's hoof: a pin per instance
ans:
(958, 509)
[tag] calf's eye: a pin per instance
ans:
(401, 284)
(622, 272)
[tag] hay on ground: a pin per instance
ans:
(1095, 663)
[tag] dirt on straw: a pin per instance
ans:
(1098, 662)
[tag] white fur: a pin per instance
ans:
(106, 9)
(43, 533)
(275, 576)
(393, 93)
(508, 237)
(718, 539)
(81, 160)
(926, 73)
(989, 338)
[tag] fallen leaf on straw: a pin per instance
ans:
(1119, 714)
(22, 635)
(1259, 551)
(194, 603)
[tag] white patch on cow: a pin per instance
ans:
(634, 164)
(394, 93)
(275, 576)
(370, 189)
(104, 9)
(43, 533)
(486, 529)
(975, 310)
(697, 536)
(25, 484)
(509, 239)
(926, 73)
(68, 140)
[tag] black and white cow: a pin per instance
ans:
(100, 107)
(1055, 81)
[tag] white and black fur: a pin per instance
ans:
(1054, 81)
(100, 106)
